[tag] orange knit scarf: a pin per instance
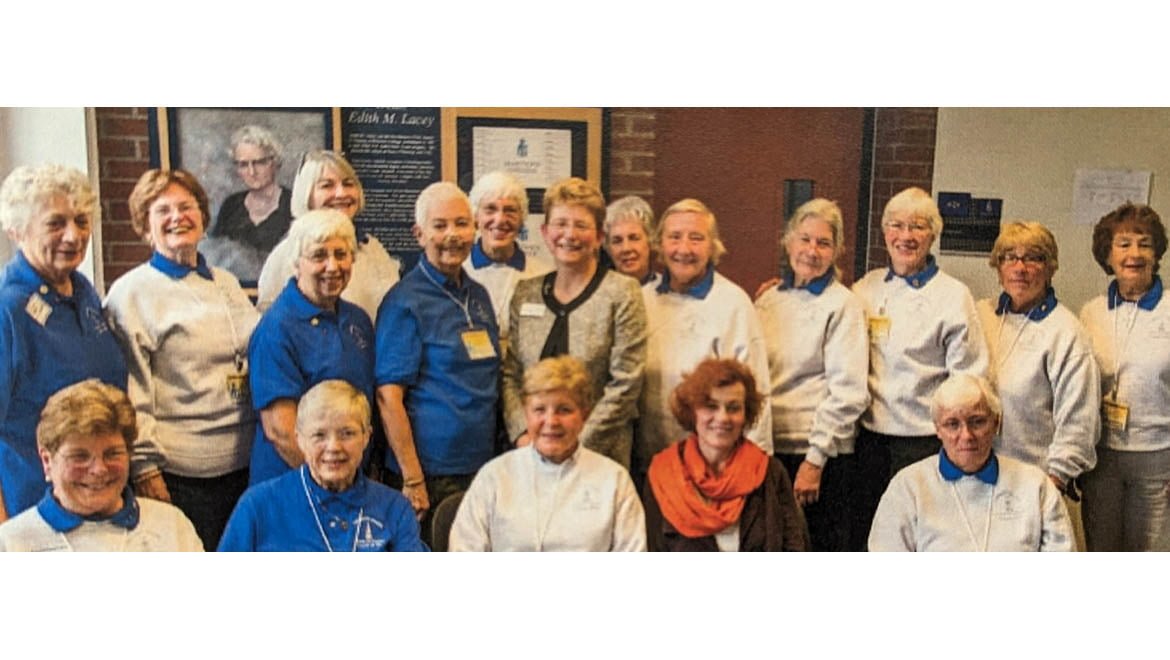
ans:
(697, 502)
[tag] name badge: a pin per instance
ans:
(237, 387)
(38, 308)
(879, 328)
(533, 309)
(1116, 414)
(478, 344)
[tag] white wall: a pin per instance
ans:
(35, 136)
(1028, 157)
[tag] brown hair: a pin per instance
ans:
(575, 191)
(88, 408)
(1137, 218)
(150, 185)
(695, 389)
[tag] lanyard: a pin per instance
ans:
(1119, 347)
(462, 305)
(317, 518)
(239, 351)
(1002, 358)
(967, 519)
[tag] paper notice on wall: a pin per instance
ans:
(538, 156)
(1097, 192)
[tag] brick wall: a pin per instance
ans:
(123, 155)
(631, 154)
(903, 156)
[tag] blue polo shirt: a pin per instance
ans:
(275, 516)
(297, 345)
(450, 398)
(47, 341)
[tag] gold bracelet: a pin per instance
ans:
(412, 483)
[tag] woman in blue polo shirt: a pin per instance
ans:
(308, 335)
(52, 331)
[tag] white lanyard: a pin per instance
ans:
(462, 305)
(239, 351)
(1118, 346)
(317, 518)
(1002, 358)
(967, 520)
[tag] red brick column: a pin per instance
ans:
(123, 144)
(631, 153)
(903, 156)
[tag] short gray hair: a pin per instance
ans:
(318, 226)
(257, 136)
(919, 204)
(499, 185)
(333, 396)
(27, 189)
(964, 390)
(436, 193)
(630, 207)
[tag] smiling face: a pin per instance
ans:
(89, 472)
(908, 241)
(498, 221)
(176, 224)
(570, 232)
(810, 249)
(719, 421)
(629, 247)
(55, 239)
(333, 448)
(333, 191)
(447, 235)
(555, 419)
(256, 167)
(687, 247)
(1132, 259)
(323, 271)
(966, 432)
(1024, 274)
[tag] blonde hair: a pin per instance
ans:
(312, 167)
(564, 373)
(575, 191)
(917, 203)
(690, 205)
(1028, 235)
(318, 226)
(333, 395)
(87, 408)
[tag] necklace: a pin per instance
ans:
(317, 518)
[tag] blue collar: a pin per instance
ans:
(354, 496)
(699, 291)
(1147, 302)
(24, 274)
(178, 271)
(1037, 313)
(479, 258)
(988, 474)
(919, 279)
(442, 279)
(302, 307)
(63, 520)
(816, 286)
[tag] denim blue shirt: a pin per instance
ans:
(297, 345)
(47, 341)
(275, 516)
(450, 398)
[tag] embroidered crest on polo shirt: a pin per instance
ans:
(95, 317)
(359, 337)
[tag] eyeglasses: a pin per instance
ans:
(974, 424)
(1031, 260)
(250, 164)
(913, 227)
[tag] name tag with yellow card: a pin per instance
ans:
(1116, 414)
(237, 387)
(879, 328)
(478, 344)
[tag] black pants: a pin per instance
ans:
(207, 502)
(879, 457)
(439, 488)
(828, 517)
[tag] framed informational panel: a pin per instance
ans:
(249, 186)
(538, 145)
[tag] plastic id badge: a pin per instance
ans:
(478, 344)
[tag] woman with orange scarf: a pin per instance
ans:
(712, 490)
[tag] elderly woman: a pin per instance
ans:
(310, 334)
(500, 204)
(52, 331)
(83, 439)
(553, 494)
(1126, 503)
(968, 497)
(326, 180)
(629, 224)
(814, 328)
(184, 329)
(1041, 360)
(923, 327)
(259, 216)
(438, 364)
(583, 310)
(694, 313)
(715, 490)
(326, 504)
